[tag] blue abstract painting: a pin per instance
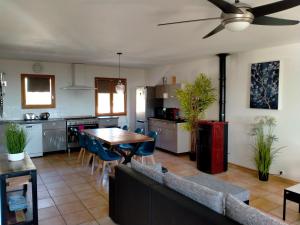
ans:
(264, 89)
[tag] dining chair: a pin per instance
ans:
(92, 149)
(107, 157)
(146, 149)
(125, 127)
(82, 139)
(129, 147)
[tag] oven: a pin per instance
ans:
(76, 125)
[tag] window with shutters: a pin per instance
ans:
(38, 91)
(108, 101)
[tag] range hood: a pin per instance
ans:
(77, 70)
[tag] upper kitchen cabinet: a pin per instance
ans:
(166, 91)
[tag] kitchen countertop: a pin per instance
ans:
(49, 120)
(174, 121)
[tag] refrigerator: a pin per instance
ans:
(145, 106)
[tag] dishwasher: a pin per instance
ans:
(34, 146)
(54, 136)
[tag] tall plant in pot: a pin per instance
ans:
(264, 150)
(194, 99)
(16, 140)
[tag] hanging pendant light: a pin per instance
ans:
(120, 87)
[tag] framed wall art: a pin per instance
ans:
(264, 90)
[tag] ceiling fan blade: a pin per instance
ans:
(216, 30)
(272, 21)
(188, 21)
(274, 7)
(226, 7)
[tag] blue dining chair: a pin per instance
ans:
(125, 127)
(82, 139)
(106, 156)
(92, 149)
(146, 149)
(129, 147)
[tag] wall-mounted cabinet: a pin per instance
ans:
(166, 91)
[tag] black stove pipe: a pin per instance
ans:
(222, 87)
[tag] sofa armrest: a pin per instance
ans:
(112, 199)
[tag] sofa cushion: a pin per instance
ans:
(247, 215)
(220, 185)
(204, 195)
(154, 172)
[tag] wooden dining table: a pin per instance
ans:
(116, 136)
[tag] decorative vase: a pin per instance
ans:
(263, 177)
(16, 157)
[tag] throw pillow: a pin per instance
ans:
(204, 195)
(247, 215)
(154, 172)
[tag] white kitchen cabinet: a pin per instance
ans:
(34, 132)
(171, 135)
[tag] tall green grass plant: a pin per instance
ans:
(16, 138)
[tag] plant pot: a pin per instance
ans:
(263, 177)
(16, 157)
(193, 156)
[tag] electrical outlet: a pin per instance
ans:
(280, 172)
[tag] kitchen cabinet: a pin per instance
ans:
(171, 135)
(166, 91)
(54, 136)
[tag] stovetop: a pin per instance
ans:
(80, 117)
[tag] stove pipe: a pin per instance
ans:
(222, 87)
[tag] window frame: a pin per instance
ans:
(124, 81)
(23, 94)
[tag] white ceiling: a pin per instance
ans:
(92, 31)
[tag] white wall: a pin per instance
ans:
(239, 115)
(68, 103)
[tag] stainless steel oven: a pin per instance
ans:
(77, 124)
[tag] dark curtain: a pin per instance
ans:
(38, 84)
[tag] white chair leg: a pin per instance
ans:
(80, 154)
(93, 164)
(82, 160)
(152, 159)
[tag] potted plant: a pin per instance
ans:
(264, 150)
(16, 140)
(194, 99)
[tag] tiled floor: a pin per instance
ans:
(68, 194)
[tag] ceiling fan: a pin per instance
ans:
(238, 16)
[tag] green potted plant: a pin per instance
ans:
(264, 150)
(194, 99)
(16, 140)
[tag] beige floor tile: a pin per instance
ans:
(53, 221)
(59, 191)
(47, 213)
(71, 207)
(100, 212)
(82, 187)
(95, 202)
(291, 215)
(78, 217)
(59, 200)
(264, 204)
(45, 203)
(43, 194)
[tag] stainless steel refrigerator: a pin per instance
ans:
(145, 106)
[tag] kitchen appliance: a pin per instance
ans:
(239, 16)
(160, 112)
(54, 136)
(172, 113)
(145, 106)
(30, 116)
(77, 124)
(44, 116)
(34, 146)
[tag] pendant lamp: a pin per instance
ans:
(120, 87)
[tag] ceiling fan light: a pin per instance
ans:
(237, 26)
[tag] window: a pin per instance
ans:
(38, 91)
(108, 102)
